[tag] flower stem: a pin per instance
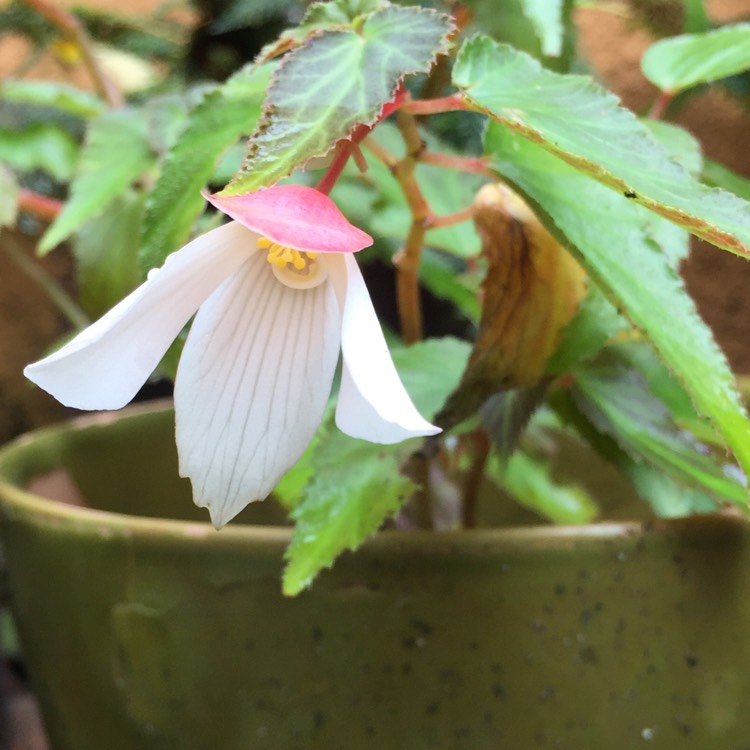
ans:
(344, 150)
(473, 164)
(659, 107)
(448, 220)
(41, 206)
(473, 481)
(59, 297)
(408, 257)
(450, 103)
(70, 26)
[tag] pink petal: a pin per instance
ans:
(295, 216)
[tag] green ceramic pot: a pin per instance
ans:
(145, 629)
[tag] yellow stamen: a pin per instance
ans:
(296, 261)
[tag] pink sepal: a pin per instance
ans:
(295, 216)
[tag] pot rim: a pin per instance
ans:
(18, 502)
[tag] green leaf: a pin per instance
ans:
(59, 96)
(115, 154)
(666, 497)
(217, 122)
(8, 197)
(105, 249)
(679, 143)
(320, 16)
(534, 26)
(460, 286)
(615, 241)
(684, 61)
(638, 354)
(530, 481)
(619, 404)
(596, 321)
(430, 370)
(578, 121)
(546, 17)
(669, 499)
(338, 79)
(336, 14)
(355, 485)
(506, 415)
(39, 145)
(718, 175)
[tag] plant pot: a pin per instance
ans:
(145, 628)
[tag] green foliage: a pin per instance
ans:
(105, 249)
(596, 322)
(115, 154)
(581, 123)
(679, 143)
(546, 17)
(337, 80)
(39, 145)
(667, 497)
(531, 482)
(619, 403)
(617, 243)
(216, 123)
(355, 485)
(636, 374)
(443, 192)
(718, 175)
(542, 28)
(59, 96)
(685, 61)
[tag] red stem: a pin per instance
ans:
(475, 164)
(344, 150)
(41, 206)
(659, 107)
(450, 103)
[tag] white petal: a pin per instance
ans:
(373, 403)
(252, 385)
(104, 366)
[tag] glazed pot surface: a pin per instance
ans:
(149, 633)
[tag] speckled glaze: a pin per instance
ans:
(146, 634)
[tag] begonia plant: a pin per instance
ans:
(534, 225)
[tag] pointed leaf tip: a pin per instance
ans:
(295, 216)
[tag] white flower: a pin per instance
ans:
(258, 363)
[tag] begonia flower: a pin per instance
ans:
(278, 295)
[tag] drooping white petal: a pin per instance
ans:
(252, 385)
(373, 403)
(104, 366)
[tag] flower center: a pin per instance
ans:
(299, 269)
